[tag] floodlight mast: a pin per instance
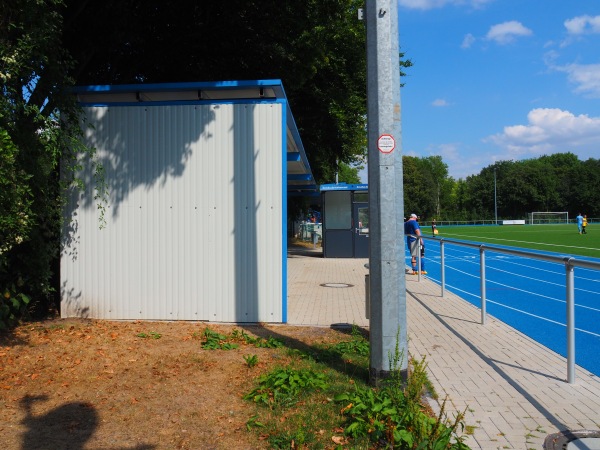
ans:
(388, 319)
(495, 203)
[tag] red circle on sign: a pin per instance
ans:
(386, 143)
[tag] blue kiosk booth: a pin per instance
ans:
(345, 216)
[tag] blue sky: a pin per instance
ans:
(500, 80)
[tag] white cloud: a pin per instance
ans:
(583, 25)
(580, 26)
(550, 130)
(507, 32)
(453, 154)
(439, 102)
(431, 4)
(585, 77)
(468, 41)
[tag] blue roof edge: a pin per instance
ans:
(277, 85)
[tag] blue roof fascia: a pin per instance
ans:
(306, 194)
(300, 177)
(276, 85)
(181, 102)
(294, 129)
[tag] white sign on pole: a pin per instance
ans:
(386, 143)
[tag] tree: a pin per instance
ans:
(435, 173)
(589, 184)
(39, 126)
(414, 199)
(316, 47)
(348, 174)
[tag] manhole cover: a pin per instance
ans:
(573, 440)
(337, 285)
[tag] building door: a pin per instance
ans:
(338, 233)
(360, 217)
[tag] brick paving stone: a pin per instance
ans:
(512, 389)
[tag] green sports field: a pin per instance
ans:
(563, 239)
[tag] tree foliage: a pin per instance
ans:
(34, 137)
(558, 182)
(316, 47)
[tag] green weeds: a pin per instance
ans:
(216, 341)
(150, 335)
(251, 360)
(358, 345)
(283, 386)
(316, 400)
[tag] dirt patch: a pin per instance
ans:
(75, 384)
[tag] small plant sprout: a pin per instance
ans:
(251, 360)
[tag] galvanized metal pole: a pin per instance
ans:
(442, 267)
(570, 285)
(482, 284)
(495, 202)
(388, 324)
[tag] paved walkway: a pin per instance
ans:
(513, 390)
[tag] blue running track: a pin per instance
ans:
(527, 294)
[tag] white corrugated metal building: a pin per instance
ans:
(198, 176)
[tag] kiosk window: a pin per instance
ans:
(363, 220)
(338, 211)
(361, 197)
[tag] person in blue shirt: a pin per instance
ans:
(411, 229)
(579, 219)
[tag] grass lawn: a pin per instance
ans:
(562, 239)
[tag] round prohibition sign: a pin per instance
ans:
(386, 143)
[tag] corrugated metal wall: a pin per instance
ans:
(194, 225)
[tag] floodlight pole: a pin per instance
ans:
(495, 203)
(388, 324)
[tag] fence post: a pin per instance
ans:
(418, 242)
(482, 283)
(442, 267)
(570, 283)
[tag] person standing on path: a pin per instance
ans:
(579, 219)
(414, 242)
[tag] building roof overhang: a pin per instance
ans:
(300, 179)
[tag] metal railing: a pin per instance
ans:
(569, 262)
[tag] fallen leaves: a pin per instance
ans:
(339, 440)
(128, 380)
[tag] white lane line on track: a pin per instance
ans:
(524, 312)
(521, 242)
(525, 291)
(513, 262)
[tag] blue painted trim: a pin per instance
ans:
(293, 157)
(274, 84)
(182, 102)
(308, 194)
(300, 177)
(284, 182)
(303, 187)
(344, 187)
